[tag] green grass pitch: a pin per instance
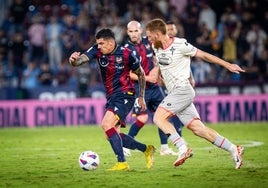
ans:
(48, 157)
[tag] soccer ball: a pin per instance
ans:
(89, 160)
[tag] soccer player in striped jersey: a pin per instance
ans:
(115, 63)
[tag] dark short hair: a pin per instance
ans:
(105, 33)
(170, 22)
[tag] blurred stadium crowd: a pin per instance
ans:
(37, 37)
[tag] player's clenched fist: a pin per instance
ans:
(73, 57)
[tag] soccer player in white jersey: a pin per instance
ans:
(173, 32)
(174, 57)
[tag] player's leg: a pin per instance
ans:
(129, 143)
(199, 129)
(141, 119)
(117, 120)
(156, 96)
(108, 125)
(177, 124)
(164, 148)
(148, 150)
(161, 119)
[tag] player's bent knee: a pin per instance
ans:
(156, 120)
(143, 118)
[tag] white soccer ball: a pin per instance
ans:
(89, 160)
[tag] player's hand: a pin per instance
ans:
(73, 57)
(235, 68)
(151, 79)
(141, 103)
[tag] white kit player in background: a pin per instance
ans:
(174, 58)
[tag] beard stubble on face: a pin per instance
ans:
(158, 44)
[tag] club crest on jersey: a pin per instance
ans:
(119, 59)
(172, 49)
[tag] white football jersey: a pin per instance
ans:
(174, 62)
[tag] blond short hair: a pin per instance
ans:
(157, 25)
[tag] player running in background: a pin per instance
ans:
(174, 56)
(154, 94)
(115, 63)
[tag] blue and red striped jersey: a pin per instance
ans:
(144, 51)
(115, 68)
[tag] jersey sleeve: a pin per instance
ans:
(91, 53)
(187, 48)
(134, 60)
(133, 50)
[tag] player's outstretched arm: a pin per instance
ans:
(76, 59)
(214, 59)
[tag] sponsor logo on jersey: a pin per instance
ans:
(163, 59)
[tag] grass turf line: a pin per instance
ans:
(48, 157)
